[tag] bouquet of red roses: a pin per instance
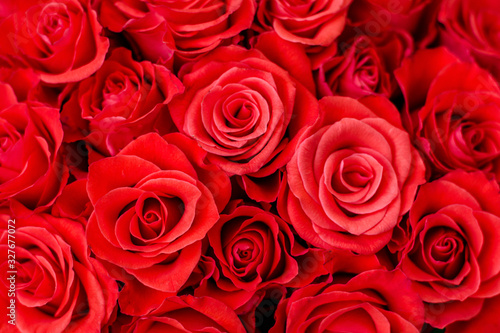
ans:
(250, 166)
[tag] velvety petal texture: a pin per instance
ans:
(32, 169)
(352, 177)
(452, 255)
(62, 41)
(249, 166)
(152, 212)
(58, 286)
(372, 301)
(245, 111)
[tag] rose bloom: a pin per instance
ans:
(184, 314)
(157, 203)
(312, 23)
(58, 287)
(243, 109)
(253, 249)
(471, 29)
(364, 65)
(192, 29)
(123, 100)
(352, 177)
(32, 170)
(452, 255)
(454, 112)
(143, 27)
(61, 40)
(372, 301)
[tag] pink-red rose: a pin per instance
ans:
(254, 249)
(58, 287)
(32, 170)
(184, 314)
(187, 28)
(372, 301)
(353, 176)
(312, 23)
(122, 101)
(243, 109)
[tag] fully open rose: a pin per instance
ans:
(453, 254)
(153, 210)
(61, 40)
(353, 176)
(250, 166)
(243, 109)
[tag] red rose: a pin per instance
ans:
(308, 22)
(140, 24)
(158, 202)
(364, 65)
(188, 28)
(353, 176)
(197, 27)
(372, 301)
(123, 100)
(253, 249)
(58, 286)
(470, 29)
(454, 112)
(184, 314)
(244, 110)
(454, 249)
(32, 170)
(60, 40)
